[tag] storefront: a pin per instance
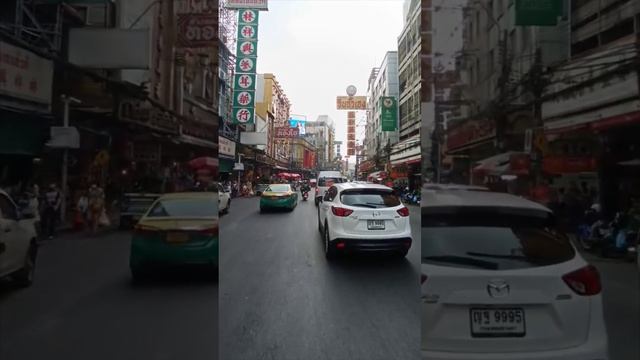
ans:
(227, 155)
(25, 113)
(592, 130)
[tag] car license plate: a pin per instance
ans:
(375, 224)
(177, 237)
(497, 322)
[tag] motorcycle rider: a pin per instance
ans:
(305, 188)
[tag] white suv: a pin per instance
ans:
(18, 247)
(363, 217)
(499, 282)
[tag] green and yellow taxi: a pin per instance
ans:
(278, 196)
(178, 229)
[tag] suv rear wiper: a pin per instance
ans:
(365, 205)
(463, 260)
(510, 257)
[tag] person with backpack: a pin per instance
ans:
(51, 211)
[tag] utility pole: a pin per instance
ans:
(500, 107)
(65, 156)
(538, 84)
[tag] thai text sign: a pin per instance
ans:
(247, 4)
(25, 75)
(351, 103)
(286, 132)
(389, 113)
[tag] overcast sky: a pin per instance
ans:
(316, 48)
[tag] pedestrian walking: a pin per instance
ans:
(96, 206)
(82, 208)
(51, 211)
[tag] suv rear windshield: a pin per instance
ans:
(369, 198)
(492, 240)
(324, 181)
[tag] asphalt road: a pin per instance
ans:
(621, 295)
(280, 298)
(83, 306)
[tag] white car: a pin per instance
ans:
(18, 245)
(356, 217)
(326, 179)
(224, 199)
(499, 282)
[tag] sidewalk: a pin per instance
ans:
(68, 226)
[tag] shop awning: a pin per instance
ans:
(508, 163)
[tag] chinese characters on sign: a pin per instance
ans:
(246, 52)
(245, 81)
(246, 65)
(351, 103)
(351, 133)
(25, 75)
(286, 132)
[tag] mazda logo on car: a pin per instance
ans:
(498, 288)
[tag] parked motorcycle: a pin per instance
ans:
(586, 230)
(613, 239)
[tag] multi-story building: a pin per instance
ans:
(591, 116)
(405, 155)
(370, 131)
(321, 134)
(378, 143)
(497, 61)
(302, 155)
(154, 108)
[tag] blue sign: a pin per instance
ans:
(298, 123)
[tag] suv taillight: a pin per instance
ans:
(404, 211)
(338, 211)
(584, 281)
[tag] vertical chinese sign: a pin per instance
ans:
(244, 89)
(389, 113)
(351, 133)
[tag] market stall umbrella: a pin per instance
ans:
(204, 162)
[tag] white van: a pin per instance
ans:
(325, 180)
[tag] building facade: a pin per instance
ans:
(137, 123)
(591, 112)
(500, 63)
(321, 134)
(382, 82)
(406, 154)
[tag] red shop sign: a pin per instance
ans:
(470, 132)
(520, 164)
(568, 165)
